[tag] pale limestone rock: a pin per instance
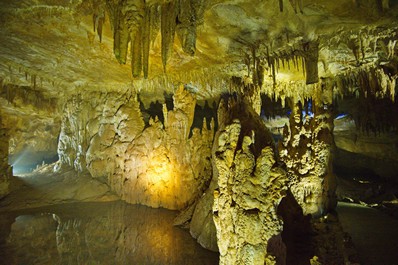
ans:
(306, 152)
(163, 166)
(202, 225)
(245, 204)
(159, 166)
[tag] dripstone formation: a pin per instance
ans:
(250, 117)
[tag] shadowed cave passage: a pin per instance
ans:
(26, 162)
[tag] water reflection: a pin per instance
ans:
(97, 233)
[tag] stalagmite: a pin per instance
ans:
(251, 187)
(306, 152)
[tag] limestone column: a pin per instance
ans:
(250, 188)
(306, 151)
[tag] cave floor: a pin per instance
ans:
(97, 233)
(374, 233)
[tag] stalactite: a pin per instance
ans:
(297, 3)
(146, 35)
(273, 73)
(154, 22)
(121, 40)
(136, 52)
(168, 27)
(186, 28)
(311, 51)
(33, 81)
(113, 11)
(126, 16)
(99, 20)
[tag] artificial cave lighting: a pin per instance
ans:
(198, 132)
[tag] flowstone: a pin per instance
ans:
(160, 165)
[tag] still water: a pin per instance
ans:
(97, 233)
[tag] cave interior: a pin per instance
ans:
(199, 132)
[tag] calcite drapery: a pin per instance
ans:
(250, 187)
(306, 151)
(137, 22)
(164, 166)
(161, 165)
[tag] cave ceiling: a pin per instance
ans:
(57, 48)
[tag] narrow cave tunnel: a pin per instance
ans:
(199, 132)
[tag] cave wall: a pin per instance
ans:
(5, 168)
(161, 165)
(365, 155)
(33, 125)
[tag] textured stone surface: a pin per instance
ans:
(202, 226)
(250, 187)
(306, 151)
(161, 165)
(74, 57)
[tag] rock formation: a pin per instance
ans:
(161, 165)
(116, 90)
(250, 188)
(306, 151)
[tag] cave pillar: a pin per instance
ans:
(306, 151)
(5, 168)
(250, 188)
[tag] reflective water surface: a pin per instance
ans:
(97, 233)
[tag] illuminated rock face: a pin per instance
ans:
(158, 166)
(306, 152)
(250, 188)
